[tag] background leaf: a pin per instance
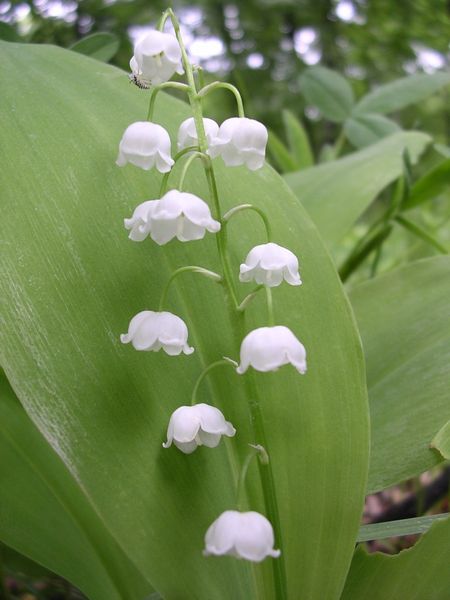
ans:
(71, 281)
(280, 154)
(419, 573)
(101, 45)
(380, 531)
(298, 140)
(430, 185)
(328, 91)
(363, 130)
(403, 318)
(45, 516)
(402, 92)
(335, 194)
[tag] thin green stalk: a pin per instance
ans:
(191, 269)
(217, 363)
(226, 86)
(420, 233)
(237, 209)
(271, 318)
(168, 84)
(375, 237)
(237, 320)
(176, 158)
(188, 163)
(246, 301)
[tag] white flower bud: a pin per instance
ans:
(145, 145)
(240, 141)
(192, 426)
(157, 56)
(182, 215)
(151, 331)
(269, 264)
(268, 348)
(187, 134)
(247, 535)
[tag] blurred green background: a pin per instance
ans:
(263, 46)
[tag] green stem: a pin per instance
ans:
(226, 86)
(218, 363)
(168, 84)
(165, 179)
(421, 233)
(227, 216)
(374, 238)
(237, 320)
(189, 268)
(270, 306)
(188, 163)
(246, 301)
(256, 450)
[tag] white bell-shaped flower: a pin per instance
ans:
(145, 145)
(192, 426)
(137, 224)
(182, 215)
(151, 331)
(247, 535)
(268, 348)
(187, 133)
(157, 56)
(240, 141)
(268, 264)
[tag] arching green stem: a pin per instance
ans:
(237, 209)
(219, 363)
(176, 158)
(226, 86)
(246, 301)
(204, 157)
(168, 84)
(255, 450)
(192, 269)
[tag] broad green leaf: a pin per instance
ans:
(335, 194)
(102, 46)
(402, 92)
(441, 441)
(71, 281)
(403, 318)
(280, 154)
(298, 140)
(13, 562)
(430, 185)
(380, 531)
(364, 130)
(329, 91)
(45, 516)
(418, 573)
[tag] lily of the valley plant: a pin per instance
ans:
(182, 216)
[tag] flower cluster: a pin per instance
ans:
(187, 217)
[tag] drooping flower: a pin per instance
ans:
(192, 426)
(247, 535)
(151, 331)
(157, 56)
(240, 141)
(137, 224)
(187, 133)
(268, 264)
(182, 215)
(268, 348)
(145, 145)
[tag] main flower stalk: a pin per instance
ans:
(236, 316)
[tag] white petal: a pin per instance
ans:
(185, 424)
(220, 537)
(213, 421)
(210, 440)
(254, 538)
(186, 447)
(268, 348)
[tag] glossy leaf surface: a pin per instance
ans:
(335, 194)
(364, 130)
(101, 45)
(45, 516)
(403, 318)
(71, 281)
